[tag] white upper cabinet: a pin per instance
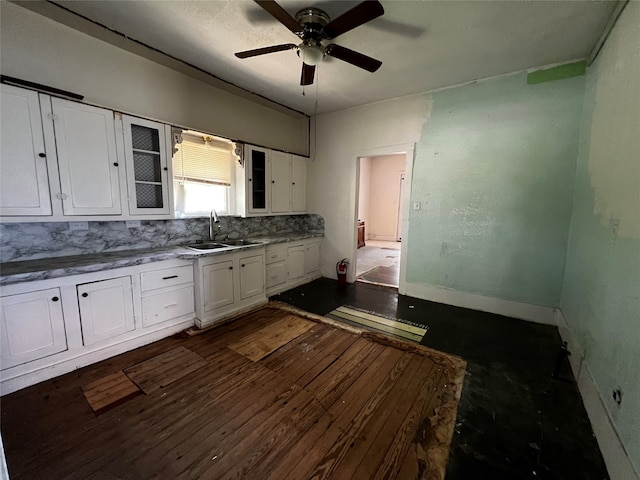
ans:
(147, 166)
(298, 184)
(24, 183)
(87, 160)
(257, 180)
(280, 182)
(63, 160)
(271, 183)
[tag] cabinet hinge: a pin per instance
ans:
(61, 196)
(52, 116)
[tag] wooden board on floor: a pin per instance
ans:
(164, 369)
(109, 391)
(326, 403)
(268, 339)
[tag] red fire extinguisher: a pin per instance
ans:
(341, 271)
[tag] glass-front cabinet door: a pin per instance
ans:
(257, 179)
(147, 166)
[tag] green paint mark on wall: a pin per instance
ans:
(561, 72)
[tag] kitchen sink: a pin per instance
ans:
(238, 243)
(208, 246)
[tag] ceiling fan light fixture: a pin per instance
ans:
(311, 54)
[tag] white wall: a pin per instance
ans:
(375, 129)
(364, 189)
(384, 197)
(41, 50)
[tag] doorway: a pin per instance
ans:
(379, 212)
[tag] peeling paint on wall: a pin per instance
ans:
(494, 169)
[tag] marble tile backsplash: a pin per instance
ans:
(30, 241)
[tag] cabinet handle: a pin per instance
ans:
(85, 294)
(243, 265)
(166, 168)
(42, 155)
(293, 183)
(274, 256)
(171, 305)
(55, 299)
(273, 181)
(273, 277)
(250, 179)
(172, 276)
(231, 268)
(115, 164)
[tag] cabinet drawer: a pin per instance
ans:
(165, 306)
(275, 254)
(276, 274)
(166, 277)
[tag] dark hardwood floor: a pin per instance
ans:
(514, 420)
(274, 396)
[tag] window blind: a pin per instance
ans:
(202, 162)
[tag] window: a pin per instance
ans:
(202, 175)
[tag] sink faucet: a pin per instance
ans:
(213, 218)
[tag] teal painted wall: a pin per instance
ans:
(494, 173)
(601, 294)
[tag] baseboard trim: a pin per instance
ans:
(615, 456)
(474, 301)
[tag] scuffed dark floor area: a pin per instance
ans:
(514, 420)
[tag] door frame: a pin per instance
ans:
(408, 149)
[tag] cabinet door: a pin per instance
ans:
(218, 285)
(32, 327)
(106, 309)
(257, 187)
(86, 146)
(24, 184)
(251, 276)
(276, 274)
(147, 167)
(298, 184)
(295, 262)
(312, 258)
(280, 182)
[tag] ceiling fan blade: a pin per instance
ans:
(308, 71)
(281, 15)
(353, 57)
(264, 50)
(358, 15)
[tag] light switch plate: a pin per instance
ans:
(416, 205)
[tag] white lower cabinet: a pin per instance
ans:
(290, 264)
(106, 309)
(218, 285)
(251, 276)
(295, 262)
(32, 327)
(167, 295)
(50, 327)
(228, 284)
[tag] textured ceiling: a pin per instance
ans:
(424, 45)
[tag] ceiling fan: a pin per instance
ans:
(314, 26)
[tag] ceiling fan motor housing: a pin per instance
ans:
(312, 19)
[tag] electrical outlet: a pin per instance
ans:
(132, 223)
(78, 225)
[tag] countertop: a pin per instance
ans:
(54, 267)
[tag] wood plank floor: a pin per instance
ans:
(301, 399)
